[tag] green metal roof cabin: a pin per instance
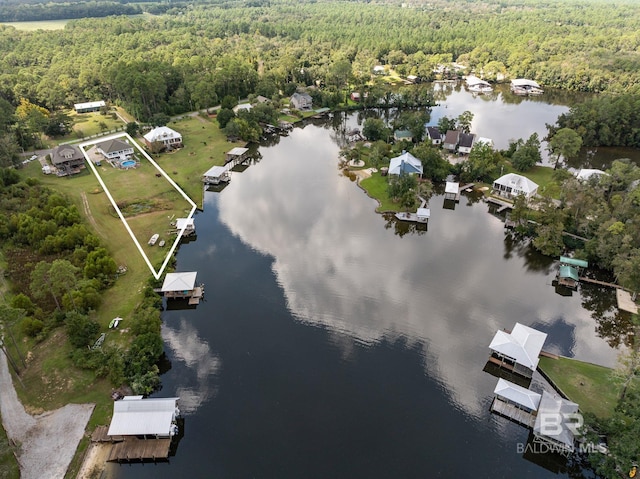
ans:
(574, 262)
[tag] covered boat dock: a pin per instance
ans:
(519, 350)
(515, 402)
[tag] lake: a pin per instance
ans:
(335, 343)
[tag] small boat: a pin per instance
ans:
(161, 244)
(633, 471)
(153, 239)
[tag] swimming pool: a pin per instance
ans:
(128, 163)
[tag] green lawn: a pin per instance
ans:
(543, 176)
(376, 187)
(589, 385)
(39, 25)
(204, 146)
(85, 125)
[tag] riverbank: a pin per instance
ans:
(593, 387)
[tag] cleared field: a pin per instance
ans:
(40, 25)
(148, 201)
(204, 146)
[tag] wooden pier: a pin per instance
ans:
(502, 205)
(513, 413)
(597, 281)
(625, 301)
(513, 367)
(196, 296)
(134, 449)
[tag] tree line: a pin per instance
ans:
(59, 273)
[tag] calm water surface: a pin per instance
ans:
(334, 344)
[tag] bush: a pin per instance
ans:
(81, 330)
(31, 327)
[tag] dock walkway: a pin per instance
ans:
(134, 449)
(502, 205)
(512, 412)
(625, 302)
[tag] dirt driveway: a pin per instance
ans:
(47, 442)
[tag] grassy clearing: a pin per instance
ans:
(543, 176)
(376, 187)
(589, 385)
(39, 25)
(204, 146)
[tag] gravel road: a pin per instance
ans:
(47, 442)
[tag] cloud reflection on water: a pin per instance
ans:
(195, 352)
(447, 291)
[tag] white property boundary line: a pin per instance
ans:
(133, 143)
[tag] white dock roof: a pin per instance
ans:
(517, 394)
(237, 151)
(179, 281)
(452, 187)
(423, 213)
(523, 345)
(217, 171)
(184, 223)
(524, 82)
(89, 104)
(134, 416)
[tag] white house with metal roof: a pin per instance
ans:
(136, 416)
(586, 174)
(168, 137)
(512, 185)
(88, 106)
(405, 163)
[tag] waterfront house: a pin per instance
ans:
(242, 107)
(115, 149)
(67, 159)
(301, 101)
(405, 164)
(89, 106)
(451, 140)
(518, 350)
(433, 133)
(586, 174)
(512, 185)
(165, 136)
(465, 143)
(481, 140)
